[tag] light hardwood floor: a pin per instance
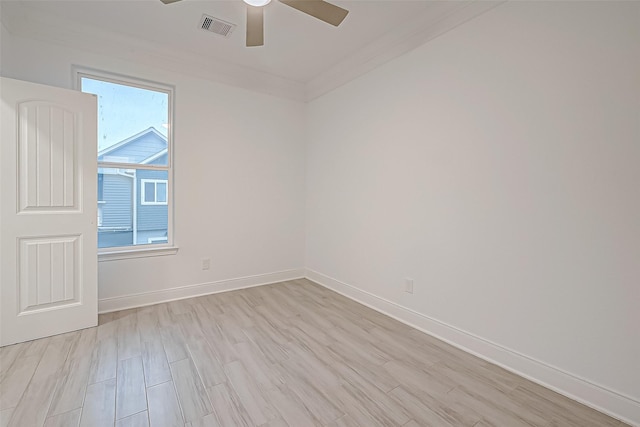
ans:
(290, 354)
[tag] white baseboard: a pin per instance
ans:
(107, 305)
(617, 405)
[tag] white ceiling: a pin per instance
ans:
(300, 52)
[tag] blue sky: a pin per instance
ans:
(124, 111)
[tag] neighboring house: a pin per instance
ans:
(132, 203)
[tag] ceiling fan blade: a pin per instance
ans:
(255, 26)
(169, 1)
(320, 9)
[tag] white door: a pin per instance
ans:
(48, 211)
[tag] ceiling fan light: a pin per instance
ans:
(257, 3)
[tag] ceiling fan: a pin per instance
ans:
(319, 9)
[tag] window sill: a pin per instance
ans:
(136, 253)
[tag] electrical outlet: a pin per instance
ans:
(408, 285)
(206, 263)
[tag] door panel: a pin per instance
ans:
(48, 232)
(48, 151)
(48, 275)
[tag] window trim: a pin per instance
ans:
(155, 183)
(145, 249)
(155, 239)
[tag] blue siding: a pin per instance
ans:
(117, 211)
(162, 161)
(151, 217)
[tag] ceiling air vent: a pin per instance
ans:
(217, 26)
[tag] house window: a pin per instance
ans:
(135, 172)
(154, 192)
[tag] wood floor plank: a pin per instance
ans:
(99, 405)
(105, 318)
(206, 362)
(16, 381)
(345, 421)
(230, 328)
(74, 378)
(352, 369)
(192, 325)
(55, 355)
(130, 392)
(5, 416)
(257, 365)
(228, 408)
(422, 380)
(173, 341)
(127, 315)
(107, 330)
(320, 402)
(250, 394)
(491, 410)
(83, 346)
(425, 414)
(141, 419)
(178, 307)
(8, 355)
(371, 409)
(128, 338)
(207, 421)
(191, 392)
(164, 410)
(270, 314)
(154, 360)
(72, 385)
(563, 411)
(291, 409)
(104, 360)
(278, 422)
(67, 419)
(272, 343)
(32, 409)
(148, 324)
(220, 344)
(164, 316)
(36, 347)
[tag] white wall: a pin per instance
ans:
(499, 167)
(239, 176)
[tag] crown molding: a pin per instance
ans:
(435, 21)
(79, 36)
(442, 17)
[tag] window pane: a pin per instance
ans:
(149, 192)
(161, 192)
(126, 221)
(132, 123)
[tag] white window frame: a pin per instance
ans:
(156, 239)
(149, 249)
(143, 198)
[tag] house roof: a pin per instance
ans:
(141, 148)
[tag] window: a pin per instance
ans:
(154, 192)
(134, 161)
